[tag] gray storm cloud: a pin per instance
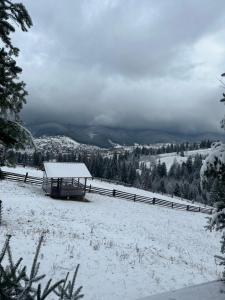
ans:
(137, 64)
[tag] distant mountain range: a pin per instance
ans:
(106, 137)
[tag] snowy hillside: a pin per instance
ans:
(126, 250)
(59, 144)
(169, 158)
(107, 185)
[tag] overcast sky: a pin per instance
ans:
(125, 63)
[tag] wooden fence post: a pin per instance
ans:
(187, 207)
(25, 179)
(134, 198)
(114, 193)
(199, 209)
(172, 204)
(89, 188)
(153, 201)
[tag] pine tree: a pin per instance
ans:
(217, 193)
(162, 187)
(177, 191)
(16, 283)
(12, 91)
(214, 165)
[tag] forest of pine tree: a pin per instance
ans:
(182, 180)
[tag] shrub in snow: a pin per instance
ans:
(16, 283)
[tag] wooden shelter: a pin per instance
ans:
(65, 180)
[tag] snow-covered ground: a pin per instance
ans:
(102, 184)
(133, 190)
(58, 144)
(170, 158)
(23, 170)
(126, 250)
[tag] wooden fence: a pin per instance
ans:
(115, 193)
(148, 200)
(22, 178)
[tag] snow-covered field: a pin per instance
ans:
(141, 192)
(102, 184)
(126, 250)
(170, 158)
(23, 170)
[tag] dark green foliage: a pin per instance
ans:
(217, 193)
(177, 191)
(12, 13)
(12, 90)
(182, 180)
(215, 172)
(17, 283)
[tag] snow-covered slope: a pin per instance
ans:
(103, 184)
(59, 143)
(23, 170)
(141, 192)
(126, 250)
(169, 158)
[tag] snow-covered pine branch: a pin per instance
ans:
(214, 164)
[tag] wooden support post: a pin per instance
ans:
(153, 201)
(25, 178)
(134, 198)
(85, 183)
(188, 207)
(114, 193)
(172, 204)
(199, 209)
(89, 188)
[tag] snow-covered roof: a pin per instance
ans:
(66, 170)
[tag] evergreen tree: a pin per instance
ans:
(12, 91)
(217, 193)
(177, 191)
(214, 165)
(17, 283)
(162, 187)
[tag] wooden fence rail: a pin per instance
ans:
(115, 193)
(148, 200)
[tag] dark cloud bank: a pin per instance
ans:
(129, 64)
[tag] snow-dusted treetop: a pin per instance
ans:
(214, 162)
(66, 170)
